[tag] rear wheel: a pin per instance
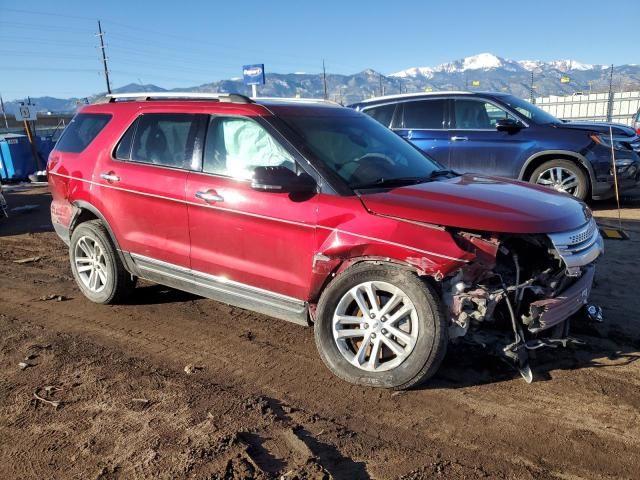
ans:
(96, 266)
(381, 326)
(562, 175)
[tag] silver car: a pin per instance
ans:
(3, 204)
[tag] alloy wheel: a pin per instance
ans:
(375, 326)
(91, 264)
(560, 179)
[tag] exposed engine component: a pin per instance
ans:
(523, 284)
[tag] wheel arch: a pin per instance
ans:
(85, 212)
(348, 263)
(537, 159)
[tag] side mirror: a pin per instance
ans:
(282, 179)
(508, 125)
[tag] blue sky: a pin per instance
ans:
(50, 48)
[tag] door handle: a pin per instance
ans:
(110, 177)
(459, 139)
(209, 196)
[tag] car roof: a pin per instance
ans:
(210, 103)
(421, 95)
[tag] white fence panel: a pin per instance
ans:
(593, 107)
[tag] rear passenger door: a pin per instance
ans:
(255, 238)
(142, 185)
(424, 123)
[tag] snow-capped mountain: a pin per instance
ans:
(489, 61)
(484, 71)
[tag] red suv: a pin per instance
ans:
(314, 213)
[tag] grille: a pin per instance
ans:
(581, 236)
(578, 247)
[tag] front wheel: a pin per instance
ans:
(381, 326)
(562, 175)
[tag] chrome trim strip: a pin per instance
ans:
(578, 247)
(212, 278)
(263, 217)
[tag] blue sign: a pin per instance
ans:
(253, 74)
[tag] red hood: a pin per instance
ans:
(473, 202)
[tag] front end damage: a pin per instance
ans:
(519, 292)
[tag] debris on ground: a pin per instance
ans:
(53, 296)
(28, 260)
(191, 369)
(49, 390)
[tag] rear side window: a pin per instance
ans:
(425, 114)
(123, 150)
(170, 140)
(383, 114)
(81, 131)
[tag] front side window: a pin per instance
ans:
(81, 131)
(424, 114)
(383, 113)
(235, 146)
(530, 111)
(478, 115)
(169, 140)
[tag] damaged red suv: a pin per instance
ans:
(317, 214)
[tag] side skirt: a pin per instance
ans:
(220, 289)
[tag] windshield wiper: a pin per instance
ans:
(389, 182)
(403, 181)
(443, 173)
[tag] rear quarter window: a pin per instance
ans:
(81, 131)
(383, 113)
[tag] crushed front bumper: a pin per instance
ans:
(549, 312)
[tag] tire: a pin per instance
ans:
(570, 174)
(423, 337)
(112, 282)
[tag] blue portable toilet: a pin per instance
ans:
(16, 160)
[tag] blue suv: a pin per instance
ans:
(499, 134)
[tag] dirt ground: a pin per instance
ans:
(257, 402)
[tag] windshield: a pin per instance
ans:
(361, 151)
(533, 113)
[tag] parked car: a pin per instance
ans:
(636, 123)
(3, 204)
(315, 213)
(499, 134)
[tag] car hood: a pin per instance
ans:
(480, 203)
(599, 127)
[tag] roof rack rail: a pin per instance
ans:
(294, 99)
(145, 96)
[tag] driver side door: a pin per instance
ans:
(255, 238)
(477, 146)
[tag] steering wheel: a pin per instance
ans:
(366, 156)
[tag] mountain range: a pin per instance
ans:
(484, 71)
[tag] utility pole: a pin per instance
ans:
(381, 87)
(104, 57)
(610, 105)
(324, 79)
(531, 89)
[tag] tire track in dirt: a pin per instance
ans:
(462, 412)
